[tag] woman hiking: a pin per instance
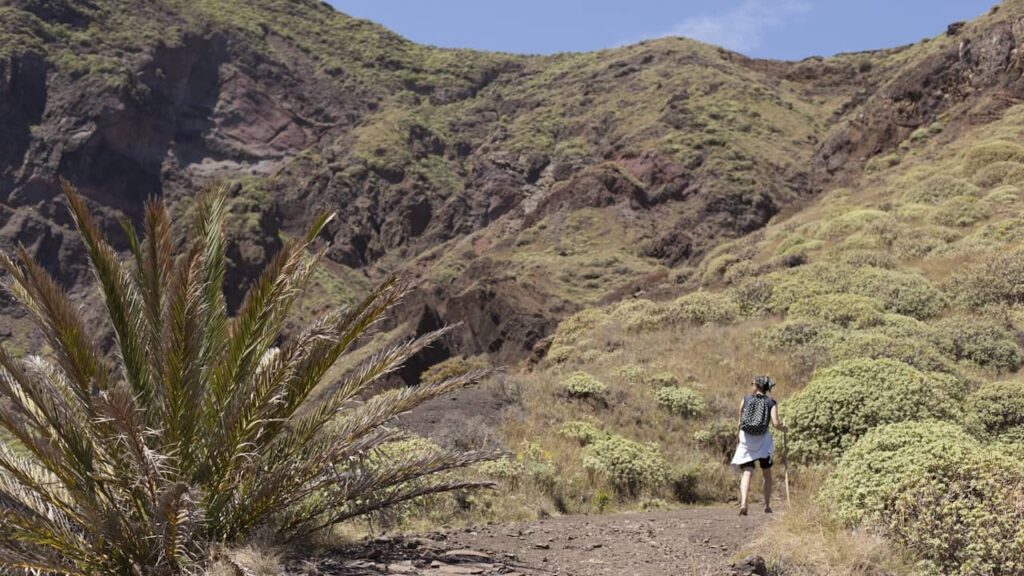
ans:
(757, 411)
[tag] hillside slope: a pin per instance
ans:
(593, 175)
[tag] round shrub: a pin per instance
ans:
(1008, 194)
(996, 412)
(754, 296)
(454, 366)
(872, 469)
(705, 308)
(983, 342)
(632, 374)
(876, 344)
(630, 466)
(843, 402)
(963, 517)
(853, 221)
(662, 379)
(720, 437)
(639, 315)
(846, 310)
(793, 333)
(572, 328)
(989, 153)
(582, 385)
(901, 292)
(583, 432)
(1009, 231)
(939, 188)
(996, 280)
(999, 173)
(961, 212)
(680, 401)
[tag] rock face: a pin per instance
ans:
(425, 153)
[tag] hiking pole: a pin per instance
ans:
(785, 465)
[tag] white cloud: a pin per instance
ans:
(742, 28)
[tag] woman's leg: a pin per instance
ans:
(745, 486)
(767, 487)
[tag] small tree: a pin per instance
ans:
(199, 428)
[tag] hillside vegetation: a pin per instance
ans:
(634, 233)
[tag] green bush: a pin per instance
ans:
(579, 384)
(846, 310)
(877, 344)
(988, 153)
(874, 468)
(843, 402)
(793, 333)
(981, 341)
(961, 212)
(902, 292)
(995, 280)
(684, 480)
(1004, 195)
(853, 221)
(754, 296)
(581, 431)
(939, 188)
(632, 374)
(571, 329)
(681, 401)
(996, 412)
(639, 315)
(720, 437)
(662, 380)
(705, 308)
(451, 367)
(963, 517)
(999, 173)
(630, 466)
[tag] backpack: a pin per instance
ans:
(757, 414)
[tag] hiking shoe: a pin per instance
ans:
(767, 509)
(743, 511)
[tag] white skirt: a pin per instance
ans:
(753, 448)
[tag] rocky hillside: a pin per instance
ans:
(519, 188)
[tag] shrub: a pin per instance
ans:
(995, 280)
(872, 470)
(846, 310)
(572, 328)
(939, 188)
(793, 333)
(989, 153)
(632, 374)
(963, 517)
(996, 412)
(1009, 231)
(999, 173)
(843, 402)
(662, 380)
(720, 437)
(901, 292)
(982, 341)
(639, 315)
(630, 466)
(1003, 195)
(451, 367)
(680, 401)
(854, 221)
(684, 480)
(583, 432)
(754, 296)
(198, 430)
(705, 308)
(876, 344)
(582, 385)
(961, 212)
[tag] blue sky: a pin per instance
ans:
(787, 29)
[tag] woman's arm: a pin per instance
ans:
(739, 416)
(776, 421)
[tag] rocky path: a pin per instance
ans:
(694, 541)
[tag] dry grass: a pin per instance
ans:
(804, 542)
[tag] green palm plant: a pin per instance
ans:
(197, 428)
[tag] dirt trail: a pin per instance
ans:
(692, 541)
